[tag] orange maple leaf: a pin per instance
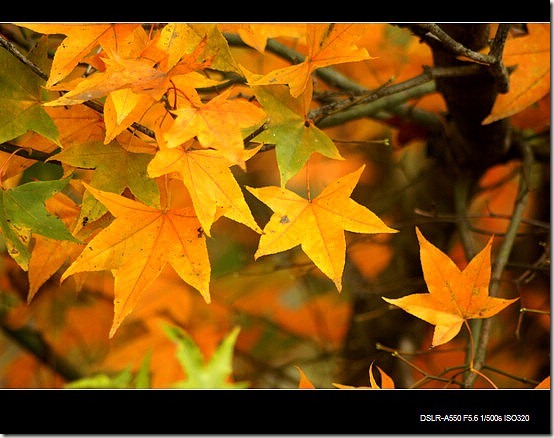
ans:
(217, 124)
(138, 244)
(304, 383)
(386, 381)
(454, 295)
(80, 39)
(530, 81)
(328, 44)
(49, 255)
(317, 225)
(213, 188)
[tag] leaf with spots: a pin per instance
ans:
(23, 213)
(318, 224)
(455, 295)
(137, 246)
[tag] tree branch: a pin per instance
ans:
(32, 341)
(98, 107)
(502, 260)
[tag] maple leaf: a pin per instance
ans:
(48, 255)
(318, 225)
(544, 383)
(454, 295)
(138, 244)
(386, 381)
(23, 212)
(138, 74)
(141, 75)
(256, 34)
(21, 102)
(81, 39)
(304, 383)
(115, 170)
(213, 188)
(212, 374)
(531, 79)
(328, 44)
(295, 137)
(217, 124)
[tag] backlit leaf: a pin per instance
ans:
(531, 79)
(317, 225)
(137, 246)
(295, 138)
(454, 295)
(328, 44)
(213, 188)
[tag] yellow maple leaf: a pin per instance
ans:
(454, 295)
(137, 246)
(328, 44)
(217, 124)
(256, 35)
(318, 225)
(80, 39)
(213, 188)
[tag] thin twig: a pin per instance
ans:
(502, 259)
(98, 107)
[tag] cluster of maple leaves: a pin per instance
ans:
(155, 172)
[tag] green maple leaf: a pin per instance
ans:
(212, 374)
(21, 98)
(23, 212)
(295, 138)
(115, 170)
